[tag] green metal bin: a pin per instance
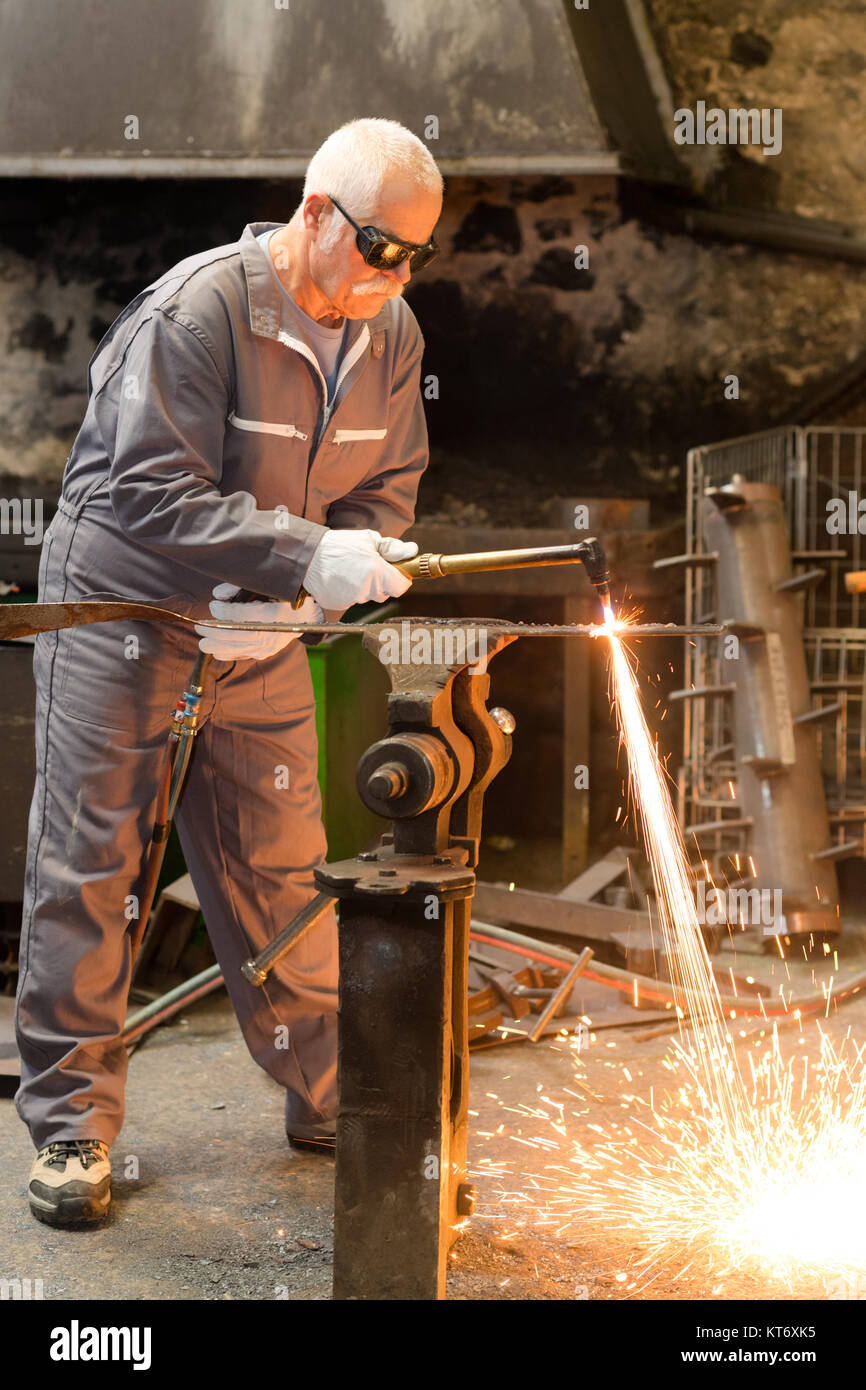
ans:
(351, 690)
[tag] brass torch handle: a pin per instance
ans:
(436, 566)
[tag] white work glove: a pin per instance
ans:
(246, 646)
(356, 566)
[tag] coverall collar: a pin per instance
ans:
(271, 311)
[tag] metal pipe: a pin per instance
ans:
(549, 954)
(171, 1003)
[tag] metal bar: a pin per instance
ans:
(809, 499)
(686, 561)
(819, 555)
(784, 232)
(222, 166)
(834, 574)
(599, 875)
(561, 994)
(549, 912)
(816, 716)
(842, 743)
(711, 826)
(796, 491)
(695, 603)
(843, 851)
(616, 56)
(806, 580)
(257, 969)
(701, 692)
(854, 605)
(24, 619)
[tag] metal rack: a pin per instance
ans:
(809, 466)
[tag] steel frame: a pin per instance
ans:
(809, 465)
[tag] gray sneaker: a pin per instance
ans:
(70, 1182)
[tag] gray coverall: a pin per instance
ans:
(207, 454)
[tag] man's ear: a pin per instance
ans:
(314, 205)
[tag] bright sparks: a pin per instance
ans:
(755, 1164)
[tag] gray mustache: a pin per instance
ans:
(379, 286)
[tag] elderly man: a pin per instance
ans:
(254, 421)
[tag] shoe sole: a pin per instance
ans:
(71, 1211)
(318, 1146)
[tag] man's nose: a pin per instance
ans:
(402, 272)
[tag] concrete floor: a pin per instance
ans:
(210, 1203)
(220, 1208)
(219, 1202)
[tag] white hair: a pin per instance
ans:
(357, 160)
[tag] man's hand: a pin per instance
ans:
(356, 566)
(255, 646)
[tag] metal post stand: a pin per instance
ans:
(401, 1190)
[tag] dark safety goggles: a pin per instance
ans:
(383, 252)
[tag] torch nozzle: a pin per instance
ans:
(595, 564)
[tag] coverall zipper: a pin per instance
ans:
(327, 409)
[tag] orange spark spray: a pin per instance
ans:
(695, 987)
(767, 1168)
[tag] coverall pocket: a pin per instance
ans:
(286, 684)
(117, 676)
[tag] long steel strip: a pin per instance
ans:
(26, 619)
